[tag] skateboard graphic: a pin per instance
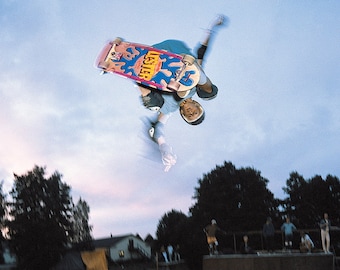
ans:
(150, 66)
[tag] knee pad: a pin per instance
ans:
(153, 101)
(201, 51)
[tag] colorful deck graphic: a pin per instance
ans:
(146, 65)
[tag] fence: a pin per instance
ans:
(230, 243)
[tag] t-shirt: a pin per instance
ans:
(288, 228)
(211, 230)
(171, 101)
(306, 239)
(174, 46)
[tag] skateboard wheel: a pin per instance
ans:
(117, 41)
(183, 94)
(188, 59)
(173, 85)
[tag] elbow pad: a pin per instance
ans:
(201, 51)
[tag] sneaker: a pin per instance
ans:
(207, 96)
(153, 101)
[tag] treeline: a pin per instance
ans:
(41, 220)
(241, 202)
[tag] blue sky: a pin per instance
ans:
(276, 66)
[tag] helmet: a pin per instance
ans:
(213, 221)
(195, 105)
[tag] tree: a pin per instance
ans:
(171, 228)
(174, 229)
(2, 218)
(237, 198)
(151, 242)
(80, 226)
(2, 206)
(39, 224)
(308, 199)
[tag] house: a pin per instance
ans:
(124, 248)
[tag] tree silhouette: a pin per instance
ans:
(2, 218)
(171, 229)
(237, 198)
(308, 199)
(2, 206)
(81, 230)
(39, 223)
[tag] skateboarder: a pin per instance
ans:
(210, 231)
(167, 103)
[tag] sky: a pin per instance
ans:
(276, 64)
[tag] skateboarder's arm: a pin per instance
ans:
(159, 128)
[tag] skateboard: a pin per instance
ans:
(150, 67)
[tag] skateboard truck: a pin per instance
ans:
(112, 55)
(116, 55)
(174, 84)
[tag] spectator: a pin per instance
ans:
(325, 226)
(306, 244)
(170, 252)
(268, 234)
(245, 248)
(288, 228)
(164, 254)
(177, 256)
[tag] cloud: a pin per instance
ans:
(277, 108)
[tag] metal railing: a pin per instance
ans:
(231, 241)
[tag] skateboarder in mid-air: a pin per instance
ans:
(165, 103)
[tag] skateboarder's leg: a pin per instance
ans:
(205, 88)
(218, 21)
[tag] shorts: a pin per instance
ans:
(211, 239)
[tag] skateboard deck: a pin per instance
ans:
(149, 66)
